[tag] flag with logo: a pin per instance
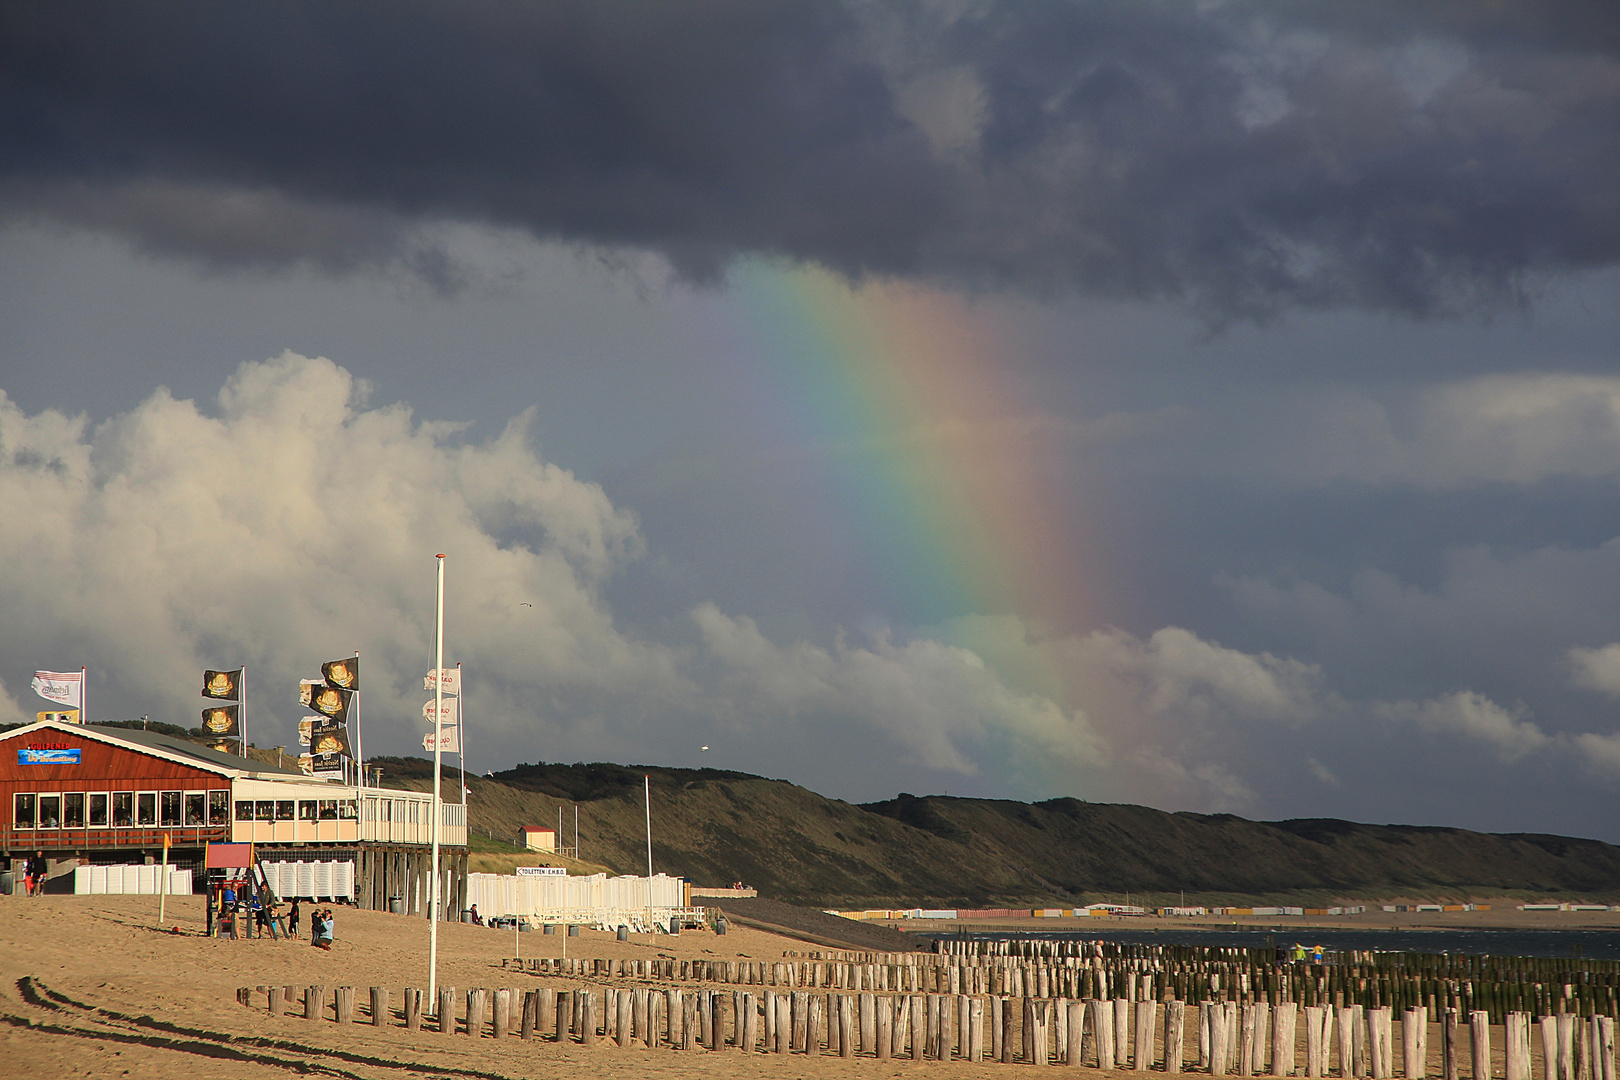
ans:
(448, 678)
(221, 720)
(331, 702)
(225, 685)
(448, 715)
(343, 674)
(306, 728)
(63, 687)
(449, 740)
(329, 739)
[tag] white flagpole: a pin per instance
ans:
(241, 719)
(438, 806)
(461, 730)
(359, 741)
(646, 781)
(84, 694)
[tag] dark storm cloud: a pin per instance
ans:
(1416, 158)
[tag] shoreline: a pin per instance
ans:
(1464, 921)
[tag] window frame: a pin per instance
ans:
(166, 801)
(39, 811)
(186, 799)
(69, 799)
(128, 798)
(90, 809)
(32, 799)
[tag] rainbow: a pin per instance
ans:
(942, 467)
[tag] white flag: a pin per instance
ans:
(62, 687)
(449, 677)
(449, 741)
(449, 711)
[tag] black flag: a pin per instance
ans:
(226, 685)
(331, 702)
(343, 674)
(333, 739)
(221, 719)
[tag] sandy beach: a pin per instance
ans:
(94, 987)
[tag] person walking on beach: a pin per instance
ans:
(34, 872)
(292, 919)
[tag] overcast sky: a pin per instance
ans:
(1214, 406)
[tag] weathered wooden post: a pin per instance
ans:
(750, 1023)
(1175, 1035)
(1147, 1011)
(1414, 1028)
(413, 1008)
(565, 1016)
(815, 1025)
(447, 1009)
(500, 1013)
(784, 1023)
(1566, 1047)
(1282, 1038)
(1313, 1040)
(1219, 1051)
(343, 1006)
(998, 1025)
(531, 1015)
(1479, 1044)
(1347, 1016)
(1040, 1041)
(883, 1027)
(1381, 1031)
(587, 1016)
(1450, 1044)
(691, 1025)
(314, 1002)
(1102, 1031)
(622, 1010)
(275, 1000)
(917, 1024)
(846, 1025)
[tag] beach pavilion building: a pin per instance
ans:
(89, 795)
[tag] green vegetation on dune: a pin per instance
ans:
(718, 827)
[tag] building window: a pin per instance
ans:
(73, 810)
(169, 806)
(146, 808)
(244, 810)
(196, 808)
(284, 809)
(50, 811)
(349, 810)
(328, 809)
(123, 809)
(23, 813)
(264, 810)
(219, 808)
(98, 810)
(306, 809)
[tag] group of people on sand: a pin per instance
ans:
(34, 870)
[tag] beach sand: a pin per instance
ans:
(92, 986)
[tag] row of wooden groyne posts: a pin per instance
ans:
(1043, 1003)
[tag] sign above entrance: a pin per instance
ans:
(47, 755)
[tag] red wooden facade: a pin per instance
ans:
(104, 773)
